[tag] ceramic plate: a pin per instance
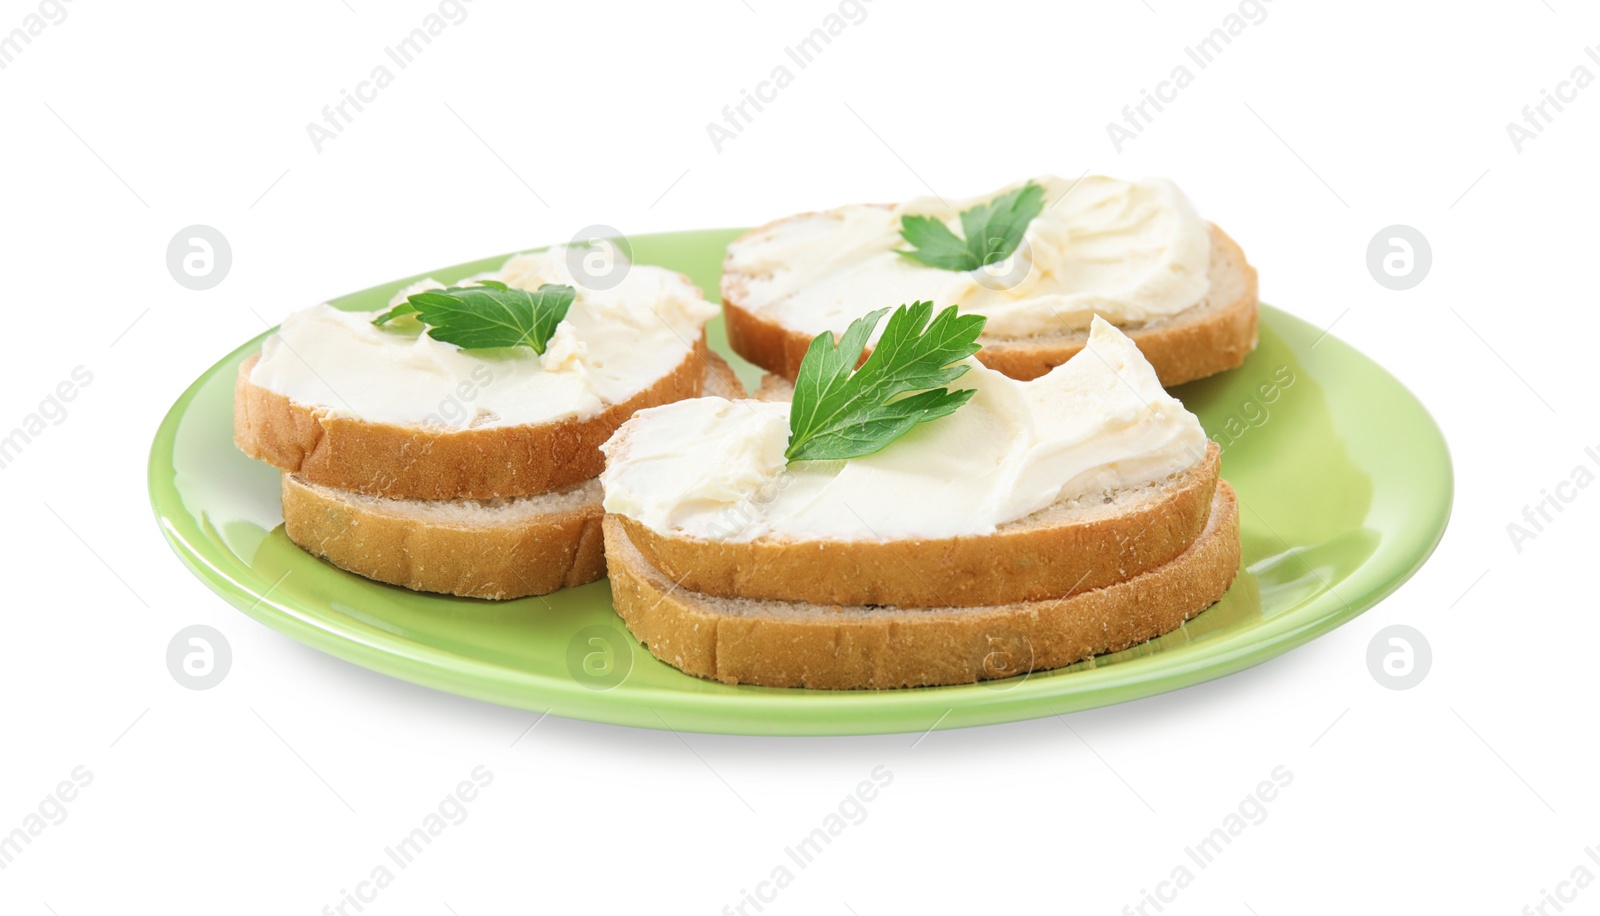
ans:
(1344, 484)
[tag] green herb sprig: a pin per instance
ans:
(488, 315)
(840, 411)
(993, 231)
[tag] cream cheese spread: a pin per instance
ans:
(1129, 251)
(714, 468)
(612, 344)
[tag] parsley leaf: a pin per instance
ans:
(993, 231)
(400, 310)
(839, 411)
(936, 245)
(488, 315)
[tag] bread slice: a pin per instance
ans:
(502, 548)
(774, 387)
(1070, 547)
(800, 644)
(1209, 337)
(494, 548)
(416, 462)
(1163, 519)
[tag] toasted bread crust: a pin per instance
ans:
(477, 555)
(413, 462)
(1211, 337)
(720, 381)
(1048, 555)
(529, 556)
(793, 644)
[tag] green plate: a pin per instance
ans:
(1343, 478)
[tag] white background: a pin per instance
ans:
(1313, 130)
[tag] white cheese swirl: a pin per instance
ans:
(714, 468)
(612, 344)
(1130, 252)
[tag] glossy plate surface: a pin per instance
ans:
(1344, 484)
